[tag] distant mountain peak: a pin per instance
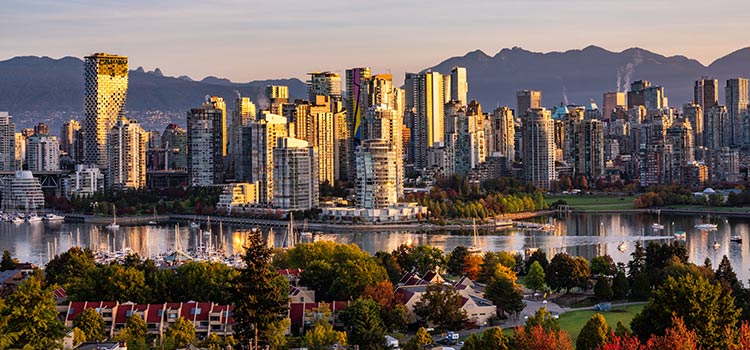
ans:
(157, 72)
(140, 69)
(185, 77)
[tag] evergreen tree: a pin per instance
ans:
(620, 285)
(91, 323)
(260, 294)
(8, 262)
(535, 277)
(503, 291)
(31, 314)
(456, 260)
(364, 326)
(593, 334)
(726, 276)
(602, 289)
(494, 339)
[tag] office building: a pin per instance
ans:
(706, 92)
(737, 102)
(174, 141)
(42, 153)
(324, 84)
(539, 148)
(20, 150)
(693, 113)
(243, 112)
(376, 183)
(459, 86)
(68, 133)
(126, 150)
(527, 99)
(263, 136)
(716, 128)
(106, 86)
(204, 146)
(8, 148)
(295, 175)
(22, 191)
(276, 96)
(612, 100)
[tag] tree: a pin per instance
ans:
(6, 337)
(364, 326)
(456, 260)
(623, 342)
(260, 294)
(441, 305)
(602, 289)
(603, 265)
(539, 338)
(472, 266)
(8, 262)
(566, 272)
(620, 285)
(135, 332)
(67, 267)
(727, 277)
(593, 334)
(322, 335)
(78, 336)
(542, 318)
(535, 277)
(538, 256)
(31, 314)
(503, 291)
(491, 260)
(701, 305)
(91, 323)
(494, 339)
(390, 264)
(181, 333)
(472, 342)
(678, 336)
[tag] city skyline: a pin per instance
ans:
(261, 40)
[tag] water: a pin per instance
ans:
(587, 235)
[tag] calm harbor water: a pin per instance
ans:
(587, 235)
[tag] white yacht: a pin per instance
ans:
(33, 218)
(53, 217)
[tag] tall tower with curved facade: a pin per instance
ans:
(106, 86)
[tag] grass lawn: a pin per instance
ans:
(593, 203)
(572, 322)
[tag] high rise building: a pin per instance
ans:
(22, 191)
(243, 112)
(41, 129)
(68, 132)
(503, 128)
(356, 99)
(321, 135)
(612, 100)
(263, 137)
(737, 102)
(295, 175)
(85, 181)
(217, 102)
(204, 146)
(636, 94)
(706, 92)
(384, 123)
(716, 128)
(106, 86)
(680, 136)
(42, 153)
(459, 85)
(276, 95)
(174, 141)
(539, 148)
(527, 99)
(375, 185)
(126, 150)
(654, 98)
(469, 146)
(589, 159)
(425, 101)
(8, 151)
(324, 84)
(20, 149)
(725, 166)
(693, 113)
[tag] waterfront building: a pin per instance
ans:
(174, 142)
(295, 174)
(106, 86)
(695, 174)
(204, 146)
(706, 92)
(459, 86)
(539, 148)
(68, 135)
(262, 137)
(42, 153)
(20, 150)
(527, 99)
(22, 191)
(9, 151)
(126, 151)
(238, 194)
(376, 183)
(736, 102)
(84, 182)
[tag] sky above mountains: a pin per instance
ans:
(250, 40)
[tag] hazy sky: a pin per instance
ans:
(249, 40)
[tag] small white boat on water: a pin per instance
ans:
(706, 226)
(18, 220)
(717, 245)
(113, 225)
(33, 218)
(52, 217)
(736, 239)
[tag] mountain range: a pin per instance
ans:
(34, 86)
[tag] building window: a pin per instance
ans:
(195, 311)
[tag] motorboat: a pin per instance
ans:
(707, 226)
(33, 218)
(51, 217)
(736, 239)
(657, 226)
(18, 220)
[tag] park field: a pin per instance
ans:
(593, 202)
(573, 321)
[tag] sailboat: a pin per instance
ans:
(305, 234)
(707, 226)
(290, 238)
(153, 221)
(208, 226)
(474, 248)
(657, 226)
(114, 225)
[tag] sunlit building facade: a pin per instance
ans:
(106, 87)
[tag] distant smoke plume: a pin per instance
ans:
(564, 90)
(628, 71)
(263, 102)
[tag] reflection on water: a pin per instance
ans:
(587, 235)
